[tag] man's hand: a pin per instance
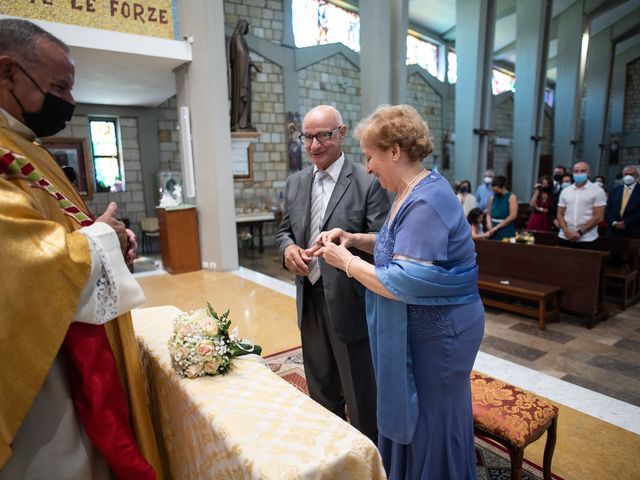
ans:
(109, 217)
(619, 226)
(295, 260)
(572, 235)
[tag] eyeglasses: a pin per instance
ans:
(322, 137)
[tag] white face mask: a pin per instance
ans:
(628, 180)
(600, 184)
(487, 180)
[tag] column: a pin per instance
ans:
(202, 86)
(383, 44)
(597, 75)
(568, 84)
(532, 39)
(475, 25)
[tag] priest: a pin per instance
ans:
(72, 402)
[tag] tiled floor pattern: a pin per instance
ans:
(605, 359)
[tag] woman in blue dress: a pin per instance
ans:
(424, 313)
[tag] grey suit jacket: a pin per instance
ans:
(358, 204)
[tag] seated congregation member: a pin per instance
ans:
(565, 181)
(66, 292)
(502, 210)
(540, 203)
(623, 206)
(476, 219)
(466, 198)
(580, 210)
(425, 317)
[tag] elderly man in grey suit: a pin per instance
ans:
(333, 192)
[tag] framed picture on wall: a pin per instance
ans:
(71, 155)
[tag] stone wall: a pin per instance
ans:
(269, 152)
(269, 168)
(334, 81)
(265, 17)
(130, 202)
(502, 123)
(632, 98)
(169, 135)
(428, 103)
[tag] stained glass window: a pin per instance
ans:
(422, 53)
(106, 157)
(549, 96)
(502, 82)
(318, 22)
(452, 67)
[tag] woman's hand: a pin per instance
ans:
(335, 255)
(337, 236)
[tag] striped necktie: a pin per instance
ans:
(317, 212)
(626, 193)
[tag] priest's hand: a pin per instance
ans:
(132, 248)
(109, 217)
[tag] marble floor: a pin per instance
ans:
(591, 374)
(605, 359)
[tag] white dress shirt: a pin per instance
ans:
(579, 204)
(329, 182)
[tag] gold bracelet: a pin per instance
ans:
(346, 270)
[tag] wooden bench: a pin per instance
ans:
(544, 296)
(580, 273)
(514, 418)
(622, 271)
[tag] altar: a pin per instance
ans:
(249, 423)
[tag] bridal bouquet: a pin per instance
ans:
(202, 345)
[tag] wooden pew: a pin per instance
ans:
(579, 273)
(622, 272)
(623, 267)
(543, 295)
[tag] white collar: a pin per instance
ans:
(334, 169)
(17, 126)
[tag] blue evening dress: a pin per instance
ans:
(443, 339)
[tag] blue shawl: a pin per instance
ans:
(417, 284)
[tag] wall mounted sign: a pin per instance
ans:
(155, 18)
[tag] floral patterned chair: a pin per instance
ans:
(514, 418)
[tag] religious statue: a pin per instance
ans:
(240, 78)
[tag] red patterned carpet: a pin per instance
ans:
(492, 460)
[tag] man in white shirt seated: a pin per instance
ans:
(580, 210)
